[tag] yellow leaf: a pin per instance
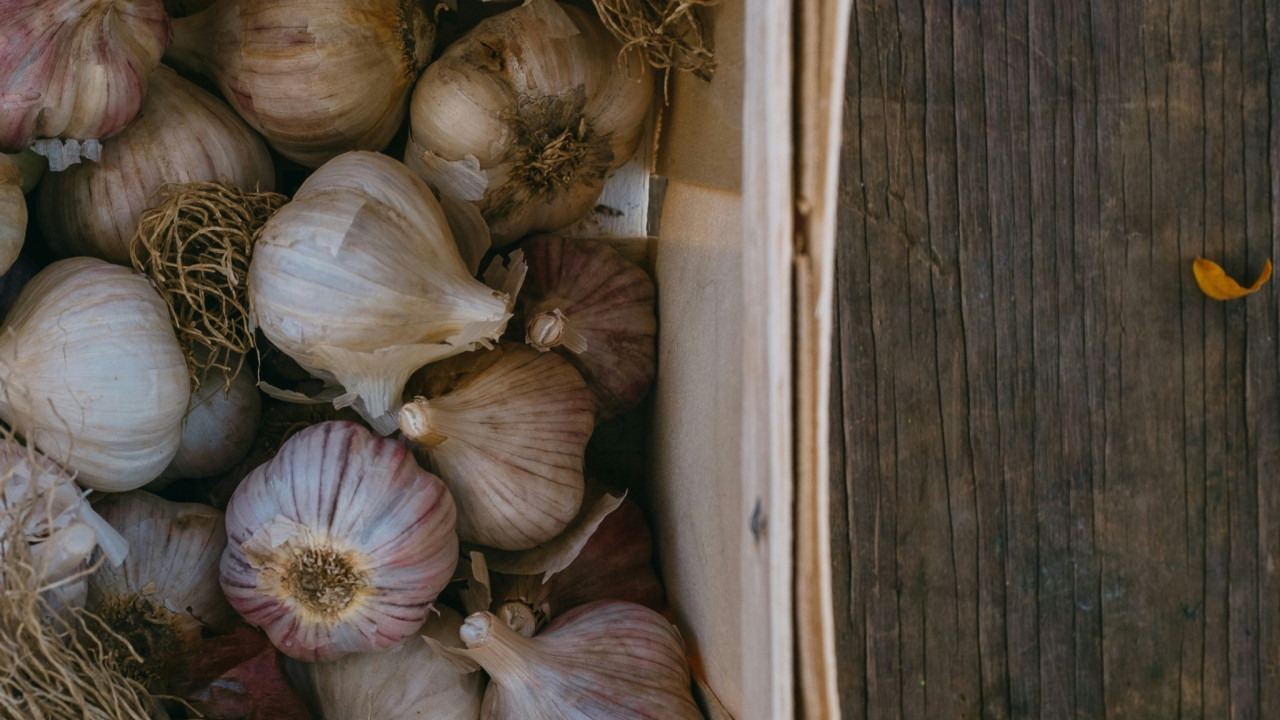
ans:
(1214, 282)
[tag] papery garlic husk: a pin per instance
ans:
(13, 213)
(165, 596)
(74, 72)
(506, 430)
(358, 280)
(526, 115)
(91, 373)
(219, 428)
(183, 135)
(587, 302)
(316, 77)
(411, 680)
(339, 544)
(61, 527)
(608, 659)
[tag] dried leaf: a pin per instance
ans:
(1214, 282)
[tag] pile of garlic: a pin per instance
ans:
(400, 518)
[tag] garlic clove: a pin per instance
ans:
(358, 279)
(74, 72)
(165, 594)
(526, 115)
(411, 680)
(32, 167)
(608, 659)
(316, 77)
(91, 372)
(183, 135)
(506, 430)
(218, 430)
(339, 544)
(585, 300)
(13, 213)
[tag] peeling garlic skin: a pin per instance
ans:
(339, 544)
(75, 69)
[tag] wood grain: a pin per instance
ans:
(1054, 461)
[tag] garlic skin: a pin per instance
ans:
(316, 77)
(165, 594)
(408, 681)
(358, 279)
(339, 544)
(13, 213)
(74, 72)
(63, 529)
(507, 435)
(526, 115)
(587, 302)
(183, 134)
(609, 659)
(219, 428)
(91, 373)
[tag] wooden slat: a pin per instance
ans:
(768, 470)
(1054, 460)
(824, 26)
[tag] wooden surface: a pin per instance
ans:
(1059, 494)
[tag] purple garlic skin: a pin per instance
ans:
(596, 308)
(75, 70)
(338, 544)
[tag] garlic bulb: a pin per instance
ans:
(583, 299)
(506, 429)
(526, 115)
(165, 595)
(32, 167)
(13, 213)
(609, 659)
(61, 526)
(358, 280)
(184, 134)
(91, 373)
(339, 544)
(74, 72)
(316, 77)
(409, 681)
(220, 427)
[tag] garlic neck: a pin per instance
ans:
(417, 422)
(519, 617)
(552, 328)
(501, 651)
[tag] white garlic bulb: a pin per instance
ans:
(526, 115)
(506, 429)
(339, 544)
(166, 592)
(408, 681)
(91, 373)
(316, 77)
(13, 213)
(608, 659)
(74, 72)
(184, 134)
(219, 429)
(358, 280)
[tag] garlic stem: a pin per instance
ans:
(63, 551)
(552, 328)
(502, 652)
(519, 617)
(415, 423)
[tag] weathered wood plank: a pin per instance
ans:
(1059, 459)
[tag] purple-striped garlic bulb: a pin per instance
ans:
(74, 72)
(609, 659)
(339, 544)
(165, 594)
(586, 301)
(506, 430)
